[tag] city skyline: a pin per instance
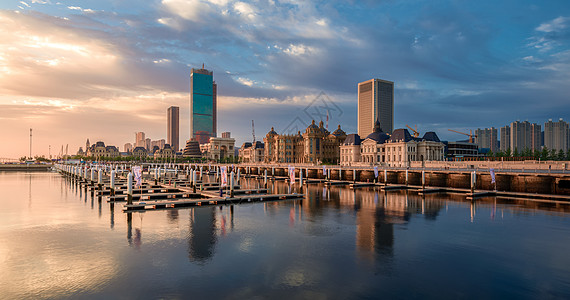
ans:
(105, 70)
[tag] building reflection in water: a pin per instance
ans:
(172, 216)
(136, 240)
(202, 236)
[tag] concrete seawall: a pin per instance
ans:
(23, 167)
(540, 183)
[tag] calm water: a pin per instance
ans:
(57, 242)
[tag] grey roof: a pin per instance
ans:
(401, 135)
(352, 139)
(99, 144)
(259, 145)
(431, 136)
(378, 135)
(272, 131)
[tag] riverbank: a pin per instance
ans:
(25, 167)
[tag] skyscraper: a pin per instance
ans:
(375, 102)
(556, 135)
(173, 127)
(202, 105)
(487, 138)
(520, 135)
(505, 138)
(140, 140)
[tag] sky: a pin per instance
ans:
(103, 70)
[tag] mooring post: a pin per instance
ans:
(130, 188)
(232, 184)
(385, 177)
(423, 179)
(406, 177)
(340, 174)
(113, 183)
(100, 179)
(273, 172)
(194, 176)
(301, 178)
(354, 175)
(473, 181)
(265, 179)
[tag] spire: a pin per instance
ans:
(202, 65)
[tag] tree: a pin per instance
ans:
(544, 153)
(552, 155)
(516, 153)
(508, 153)
(527, 152)
(490, 154)
(561, 155)
(536, 154)
(568, 154)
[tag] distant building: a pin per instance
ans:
(147, 142)
(128, 147)
(80, 152)
(375, 103)
(505, 138)
(140, 152)
(396, 150)
(461, 149)
(159, 143)
(173, 127)
(99, 150)
(316, 145)
(165, 153)
(535, 137)
(203, 115)
(192, 149)
(525, 135)
(218, 148)
(487, 138)
(226, 135)
(249, 153)
(139, 139)
(556, 135)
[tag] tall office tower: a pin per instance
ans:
(487, 138)
(535, 137)
(520, 136)
(203, 115)
(375, 102)
(139, 140)
(147, 144)
(505, 138)
(556, 135)
(128, 147)
(173, 127)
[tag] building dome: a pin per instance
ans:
(378, 135)
(272, 132)
(339, 132)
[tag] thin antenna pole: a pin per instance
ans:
(30, 143)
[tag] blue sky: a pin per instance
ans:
(105, 69)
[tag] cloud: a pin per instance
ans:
(557, 24)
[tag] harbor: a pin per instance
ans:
(333, 240)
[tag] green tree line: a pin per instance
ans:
(544, 154)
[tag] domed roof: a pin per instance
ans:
(272, 132)
(378, 135)
(313, 125)
(339, 132)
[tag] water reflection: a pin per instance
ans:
(202, 235)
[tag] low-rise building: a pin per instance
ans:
(165, 152)
(140, 152)
(99, 150)
(218, 148)
(316, 145)
(249, 153)
(396, 150)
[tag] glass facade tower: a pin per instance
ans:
(202, 105)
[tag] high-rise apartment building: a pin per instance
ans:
(173, 127)
(535, 137)
(487, 138)
(375, 102)
(140, 139)
(520, 135)
(556, 135)
(203, 115)
(525, 135)
(505, 138)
